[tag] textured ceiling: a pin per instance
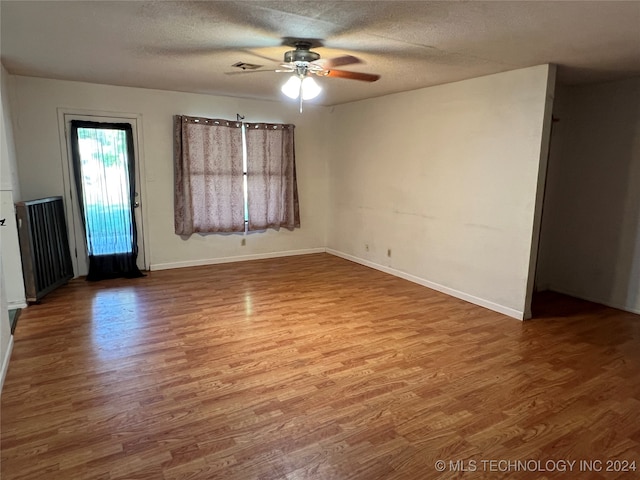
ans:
(190, 46)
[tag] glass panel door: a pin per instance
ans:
(103, 158)
(104, 173)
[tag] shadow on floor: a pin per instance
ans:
(551, 305)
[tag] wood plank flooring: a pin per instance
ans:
(313, 367)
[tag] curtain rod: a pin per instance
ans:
(239, 117)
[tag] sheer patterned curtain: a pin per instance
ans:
(209, 195)
(271, 176)
(104, 171)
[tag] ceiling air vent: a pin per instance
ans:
(246, 66)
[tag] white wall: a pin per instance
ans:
(6, 339)
(40, 159)
(11, 283)
(9, 168)
(590, 242)
(9, 245)
(9, 193)
(446, 177)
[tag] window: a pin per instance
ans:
(233, 176)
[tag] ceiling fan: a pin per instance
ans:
(304, 64)
(303, 61)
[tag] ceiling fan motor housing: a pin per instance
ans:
(301, 54)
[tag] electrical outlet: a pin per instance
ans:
(388, 252)
(243, 242)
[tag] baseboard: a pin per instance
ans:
(239, 258)
(601, 301)
(434, 286)
(16, 305)
(5, 363)
(391, 271)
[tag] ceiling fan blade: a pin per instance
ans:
(363, 77)
(339, 61)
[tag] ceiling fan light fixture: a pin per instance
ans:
(297, 84)
(310, 88)
(292, 87)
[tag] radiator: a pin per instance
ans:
(44, 244)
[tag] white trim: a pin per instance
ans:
(239, 258)
(5, 363)
(543, 164)
(17, 304)
(67, 187)
(67, 113)
(432, 285)
(588, 298)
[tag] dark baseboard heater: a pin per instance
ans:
(44, 244)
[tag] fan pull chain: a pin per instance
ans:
(300, 95)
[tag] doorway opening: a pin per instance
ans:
(103, 194)
(104, 166)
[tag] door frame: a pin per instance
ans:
(72, 210)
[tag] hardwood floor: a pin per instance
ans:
(314, 367)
